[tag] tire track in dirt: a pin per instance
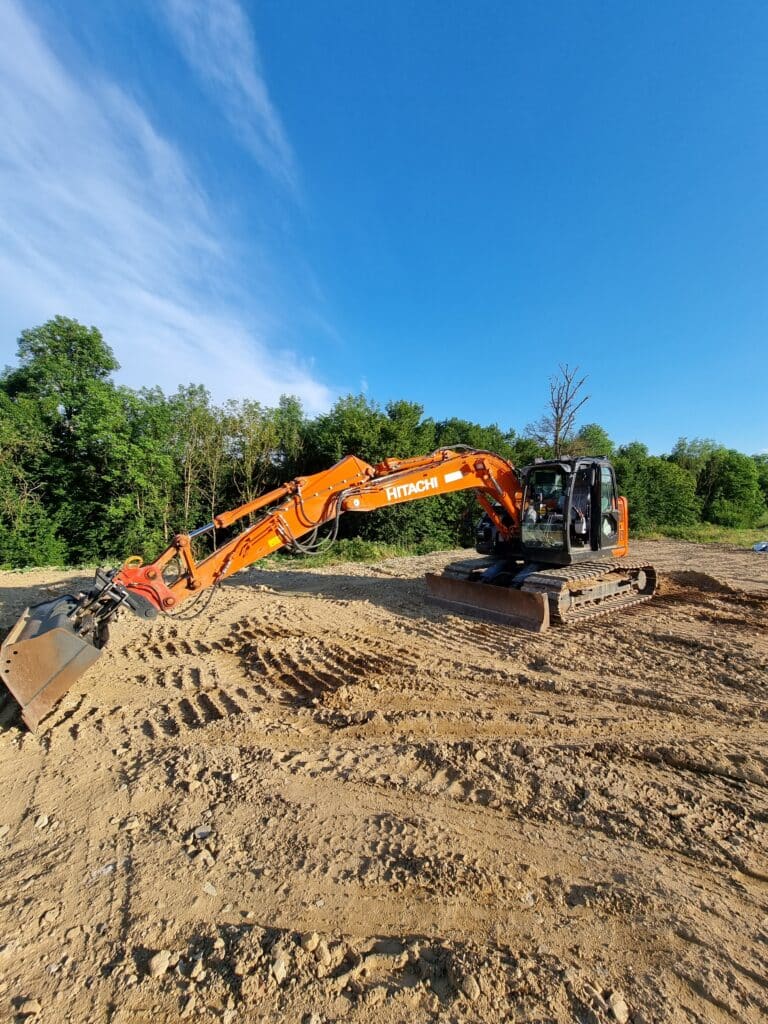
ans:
(560, 816)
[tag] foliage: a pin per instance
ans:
(761, 461)
(591, 439)
(729, 488)
(92, 472)
(692, 455)
(353, 550)
(659, 492)
(708, 533)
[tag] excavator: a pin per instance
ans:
(557, 552)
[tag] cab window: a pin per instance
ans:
(608, 508)
(581, 508)
(544, 503)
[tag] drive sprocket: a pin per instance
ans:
(584, 591)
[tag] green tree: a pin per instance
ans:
(630, 463)
(404, 432)
(659, 492)
(729, 488)
(252, 440)
(693, 454)
(592, 439)
(142, 510)
(670, 494)
(492, 438)
(761, 461)
(191, 413)
(61, 364)
(292, 430)
(352, 427)
(65, 371)
(454, 516)
(27, 532)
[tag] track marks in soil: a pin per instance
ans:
(673, 803)
(371, 767)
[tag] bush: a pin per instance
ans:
(31, 539)
(659, 492)
(729, 488)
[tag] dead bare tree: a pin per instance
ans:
(555, 428)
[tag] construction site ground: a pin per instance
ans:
(322, 799)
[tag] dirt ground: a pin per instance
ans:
(323, 799)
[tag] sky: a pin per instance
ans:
(424, 199)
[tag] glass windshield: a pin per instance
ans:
(544, 508)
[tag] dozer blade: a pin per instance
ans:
(499, 604)
(42, 657)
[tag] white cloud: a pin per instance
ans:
(216, 39)
(102, 219)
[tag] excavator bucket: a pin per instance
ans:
(43, 656)
(499, 604)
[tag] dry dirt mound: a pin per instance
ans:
(325, 800)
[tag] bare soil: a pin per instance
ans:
(323, 799)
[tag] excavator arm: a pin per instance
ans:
(54, 643)
(305, 504)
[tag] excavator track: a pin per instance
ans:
(577, 592)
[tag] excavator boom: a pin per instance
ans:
(305, 504)
(54, 643)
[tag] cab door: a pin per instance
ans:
(609, 507)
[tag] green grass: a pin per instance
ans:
(354, 550)
(7, 567)
(706, 533)
(358, 550)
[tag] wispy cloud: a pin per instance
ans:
(216, 39)
(101, 218)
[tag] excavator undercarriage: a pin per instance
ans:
(560, 539)
(535, 599)
(578, 592)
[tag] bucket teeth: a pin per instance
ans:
(42, 657)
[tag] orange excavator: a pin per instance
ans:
(558, 552)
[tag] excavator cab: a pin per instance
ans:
(571, 511)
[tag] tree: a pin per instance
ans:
(60, 363)
(659, 492)
(352, 427)
(592, 440)
(404, 432)
(143, 511)
(456, 514)
(214, 443)
(630, 463)
(761, 461)
(190, 414)
(670, 494)
(65, 372)
(27, 532)
(292, 429)
(252, 441)
(729, 488)
(555, 429)
(693, 454)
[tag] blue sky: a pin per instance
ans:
(437, 201)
